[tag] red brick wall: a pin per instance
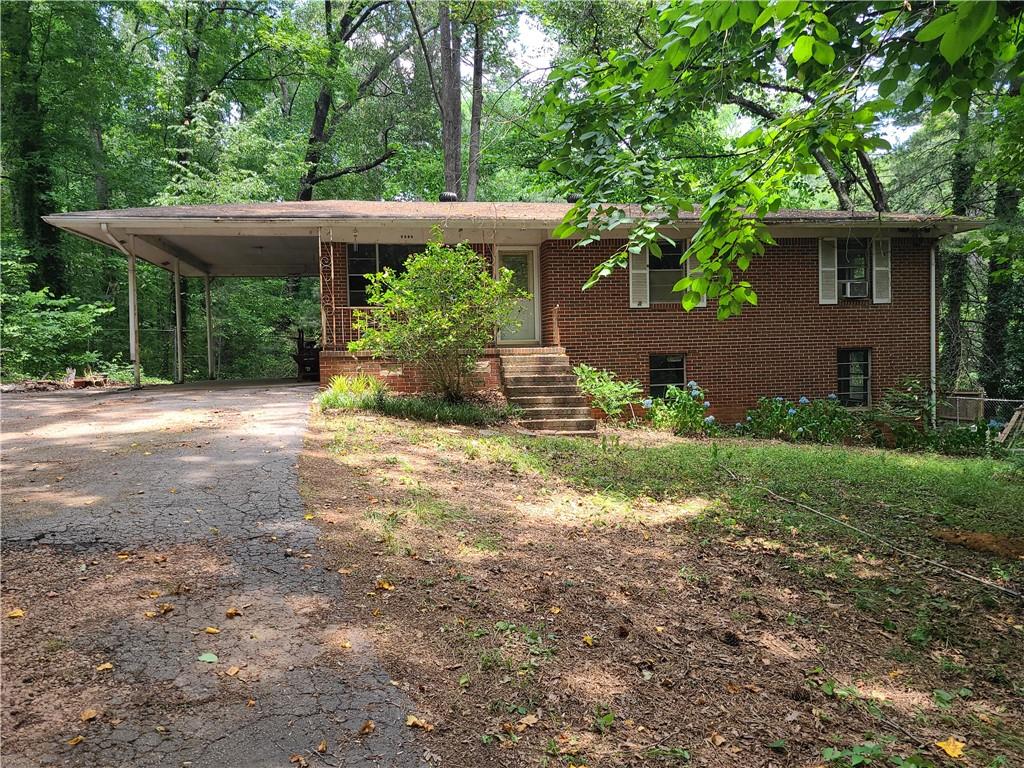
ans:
(785, 346)
(399, 377)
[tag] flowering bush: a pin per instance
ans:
(684, 411)
(818, 421)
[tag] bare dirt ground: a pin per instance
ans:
(145, 530)
(535, 622)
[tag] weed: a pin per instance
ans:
(604, 718)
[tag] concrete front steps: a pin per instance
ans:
(540, 381)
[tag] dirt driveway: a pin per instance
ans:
(145, 530)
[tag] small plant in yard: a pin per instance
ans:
(351, 393)
(684, 411)
(604, 718)
(605, 390)
(442, 411)
(818, 421)
(438, 315)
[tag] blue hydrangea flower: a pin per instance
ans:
(691, 384)
(799, 430)
(832, 396)
(804, 400)
(707, 404)
(791, 411)
(739, 425)
(709, 419)
(750, 418)
(993, 424)
(647, 403)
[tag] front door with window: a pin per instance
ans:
(522, 262)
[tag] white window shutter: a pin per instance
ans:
(881, 265)
(828, 287)
(639, 284)
(693, 270)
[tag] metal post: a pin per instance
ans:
(209, 328)
(179, 351)
(133, 317)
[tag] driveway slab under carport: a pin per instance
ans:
(132, 522)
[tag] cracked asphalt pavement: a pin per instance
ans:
(132, 522)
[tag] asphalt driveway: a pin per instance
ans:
(144, 530)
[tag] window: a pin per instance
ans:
(370, 259)
(667, 370)
(854, 377)
(664, 272)
(853, 257)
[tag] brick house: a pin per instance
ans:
(847, 300)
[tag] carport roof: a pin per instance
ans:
(280, 239)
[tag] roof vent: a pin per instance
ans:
(573, 197)
(448, 197)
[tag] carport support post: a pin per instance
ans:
(133, 317)
(179, 356)
(209, 328)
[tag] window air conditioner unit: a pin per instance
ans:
(855, 289)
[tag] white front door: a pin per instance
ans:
(522, 262)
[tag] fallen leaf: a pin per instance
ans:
(166, 607)
(299, 760)
(554, 610)
(77, 740)
(212, 631)
(150, 614)
(88, 714)
(345, 571)
(17, 613)
(322, 746)
(232, 671)
(717, 739)
(951, 746)
(345, 644)
(588, 641)
(367, 728)
(154, 594)
(104, 666)
(250, 703)
(414, 722)
(526, 722)
(209, 658)
(307, 516)
(232, 613)
(385, 584)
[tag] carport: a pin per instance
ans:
(200, 241)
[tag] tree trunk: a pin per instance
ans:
(24, 120)
(955, 264)
(451, 100)
(101, 184)
(476, 112)
(998, 306)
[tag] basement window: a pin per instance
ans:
(666, 371)
(365, 260)
(854, 377)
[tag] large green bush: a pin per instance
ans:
(41, 335)
(438, 314)
(684, 411)
(819, 421)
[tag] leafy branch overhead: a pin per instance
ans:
(818, 82)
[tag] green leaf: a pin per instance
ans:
(972, 21)
(803, 49)
(887, 87)
(209, 658)
(914, 100)
(823, 54)
(936, 27)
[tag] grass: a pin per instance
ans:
(607, 575)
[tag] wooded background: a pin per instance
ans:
(111, 105)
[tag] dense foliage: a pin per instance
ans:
(605, 390)
(438, 314)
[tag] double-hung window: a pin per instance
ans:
(667, 370)
(854, 268)
(664, 272)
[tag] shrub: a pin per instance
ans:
(819, 421)
(439, 314)
(684, 411)
(605, 390)
(350, 393)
